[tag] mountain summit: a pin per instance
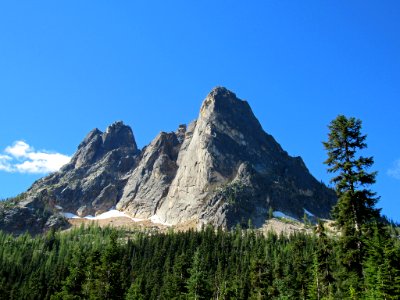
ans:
(222, 169)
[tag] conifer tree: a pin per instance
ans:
(197, 283)
(355, 210)
(382, 268)
(321, 285)
(134, 292)
(258, 279)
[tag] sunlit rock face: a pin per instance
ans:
(221, 169)
(230, 171)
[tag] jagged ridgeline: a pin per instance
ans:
(222, 169)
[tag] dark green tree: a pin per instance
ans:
(382, 267)
(258, 279)
(322, 273)
(197, 284)
(174, 281)
(270, 213)
(134, 292)
(355, 210)
(72, 286)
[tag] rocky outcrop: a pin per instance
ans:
(31, 214)
(231, 171)
(149, 182)
(92, 182)
(221, 169)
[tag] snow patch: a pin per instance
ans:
(89, 217)
(70, 215)
(156, 219)
(308, 213)
(113, 213)
(58, 207)
(279, 214)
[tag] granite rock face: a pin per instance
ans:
(231, 171)
(221, 169)
(92, 182)
(149, 182)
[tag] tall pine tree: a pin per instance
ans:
(355, 210)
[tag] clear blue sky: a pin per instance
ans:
(69, 66)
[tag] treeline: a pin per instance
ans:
(361, 260)
(96, 263)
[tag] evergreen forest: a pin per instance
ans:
(106, 263)
(359, 259)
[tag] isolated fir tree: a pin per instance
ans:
(355, 210)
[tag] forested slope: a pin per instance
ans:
(106, 263)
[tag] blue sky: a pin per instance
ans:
(67, 67)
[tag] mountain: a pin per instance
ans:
(221, 169)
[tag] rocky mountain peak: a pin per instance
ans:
(220, 93)
(221, 169)
(97, 143)
(222, 109)
(119, 135)
(217, 99)
(89, 137)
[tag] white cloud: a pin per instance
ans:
(19, 149)
(5, 163)
(22, 158)
(394, 171)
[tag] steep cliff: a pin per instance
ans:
(230, 171)
(221, 169)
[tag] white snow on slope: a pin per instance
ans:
(308, 213)
(113, 213)
(70, 216)
(156, 219)
(279, 214)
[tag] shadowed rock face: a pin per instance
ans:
(31, 214)
(148, 183)
(93, 180)
(96, 145)
(221, 169)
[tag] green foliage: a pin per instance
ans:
(135, 291)
(232, 192)
(365, 249)
(356, 202)
(96, 263)
(382, 276)
(197, 283)
(270, 213)
(322, 273)
(355, 207)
